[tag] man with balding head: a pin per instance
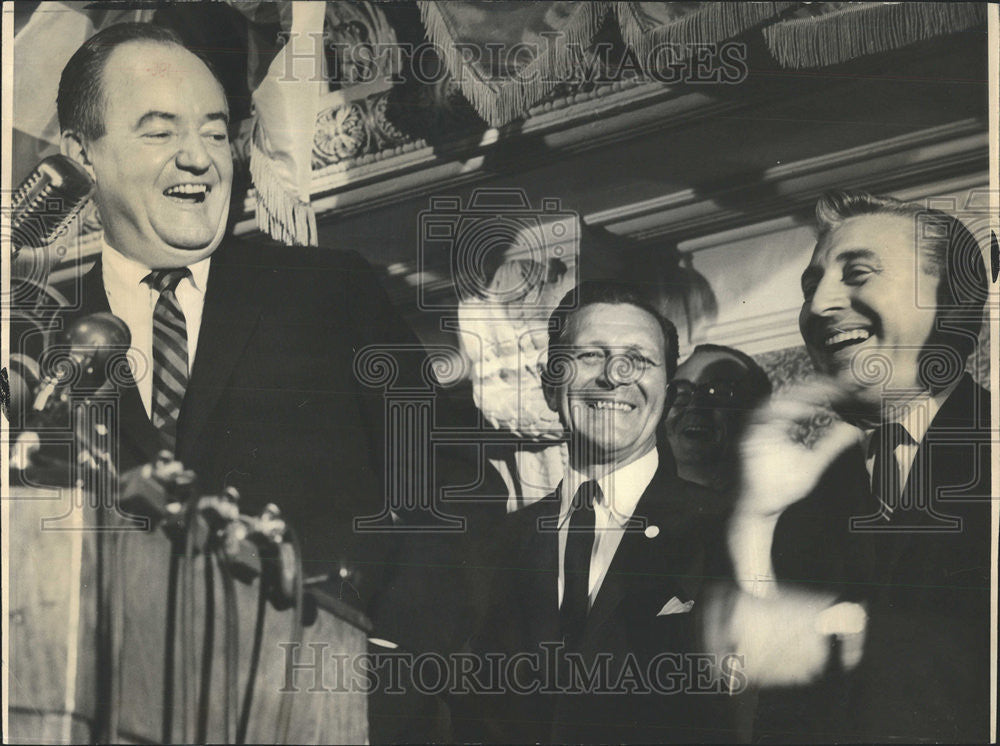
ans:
(242, 350)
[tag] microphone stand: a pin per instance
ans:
(75, 396)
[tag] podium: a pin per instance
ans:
(62, 681)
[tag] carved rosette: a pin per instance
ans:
(340, 135)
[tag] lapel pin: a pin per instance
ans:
(652, 532)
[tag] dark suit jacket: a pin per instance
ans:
(434, 600)
(273, 406)
(925, 671)
(622, 627)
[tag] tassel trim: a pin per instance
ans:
(866, 29)
(712, 22)
(280, 214)
(500, 102)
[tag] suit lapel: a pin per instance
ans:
(232, 309)
(924, 480)
(650, 563)
(540, 551)
(137, 434)
(937, 463)
(852, 497)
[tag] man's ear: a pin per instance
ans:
(550, 392)
(72, 145)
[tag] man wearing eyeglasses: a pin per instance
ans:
(708, 403)
(609, 567)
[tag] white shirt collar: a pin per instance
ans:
(120, 270)
(125, 272)
(622, 488)
(917, 414)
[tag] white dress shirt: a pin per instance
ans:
(915, 416)
(622, 489)
(133, 302)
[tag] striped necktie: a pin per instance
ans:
(170, 354)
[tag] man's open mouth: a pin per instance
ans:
(609, 405)
(188, 193)
(839, 339)
(699, 432)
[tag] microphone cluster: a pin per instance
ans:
(252, 546)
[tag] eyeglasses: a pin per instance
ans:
(624, 363)
(718, 393)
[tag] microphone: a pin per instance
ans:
(92, 352)
(47, 201)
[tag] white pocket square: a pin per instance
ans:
(676, 606)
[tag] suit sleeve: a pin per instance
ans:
(358, 315)
(379, 324)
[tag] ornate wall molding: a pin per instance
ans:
(405, 167)
(932, 154)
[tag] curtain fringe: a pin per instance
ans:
(501, 102)
(280, 214)
(712, 23)
(865, 29)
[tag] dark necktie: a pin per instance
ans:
(576, 564)
(886, 482)
(170, 355)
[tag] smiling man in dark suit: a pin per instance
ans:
(880, 616)
(242, 350)
(609, 566)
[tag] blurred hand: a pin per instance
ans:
(784, 640)
(788, 445)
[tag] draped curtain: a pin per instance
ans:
(504, 57)
(547, 37)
